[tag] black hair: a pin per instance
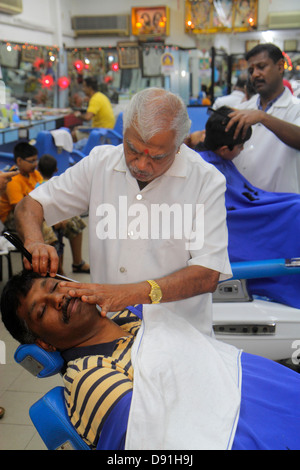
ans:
(47, 165)
(273, 51)
(91, 83)
(216, 136)
(17, 287)
(24, 150)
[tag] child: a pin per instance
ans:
(26, 159)
(71, 228)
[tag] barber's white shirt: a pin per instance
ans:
(266, 161)
(124, 243)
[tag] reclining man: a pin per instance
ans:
(230, 400)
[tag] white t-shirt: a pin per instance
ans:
(127, 242)
(232, 100)
(266, 161)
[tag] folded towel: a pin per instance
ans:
(63, 138)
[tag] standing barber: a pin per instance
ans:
(271, 158)
(157, 218)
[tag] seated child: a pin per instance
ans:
(71, 228)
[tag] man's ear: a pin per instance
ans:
(47, 347)
(222, 151)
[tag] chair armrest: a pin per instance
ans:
(265, 268)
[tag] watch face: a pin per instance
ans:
(155, 296)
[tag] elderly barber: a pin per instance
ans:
(157, 218)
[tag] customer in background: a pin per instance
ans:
(99, 111)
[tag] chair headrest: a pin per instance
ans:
(37, 361)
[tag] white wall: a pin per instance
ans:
(47, 22)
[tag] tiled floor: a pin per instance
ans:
(18, 388)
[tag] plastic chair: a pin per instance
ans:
(45, 144)
(101, 137)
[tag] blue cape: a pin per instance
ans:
(262, 225)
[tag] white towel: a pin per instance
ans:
(186, 391)
(63, 138)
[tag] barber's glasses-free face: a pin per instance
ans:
(148, 161)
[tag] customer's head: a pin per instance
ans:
(90, 85)
(26, 157)
(37, 310)
(155, 124)
(221, 141)
(266, 69)
(47, 166)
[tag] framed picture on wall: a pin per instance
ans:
(151, 59)
(250, 44)
(244, 15)
(150, 21)
(129, 55)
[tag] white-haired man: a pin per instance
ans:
(157, 218)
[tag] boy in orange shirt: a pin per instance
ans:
(26, 159)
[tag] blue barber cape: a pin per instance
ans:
(262, 225)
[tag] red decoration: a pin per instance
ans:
(79, 65)
(63, 82)
(47, 81)
(115, 66)
(38, 63)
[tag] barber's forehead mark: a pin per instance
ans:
(146, 151)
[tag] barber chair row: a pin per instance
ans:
(67, 156)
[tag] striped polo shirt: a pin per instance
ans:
(97, 377)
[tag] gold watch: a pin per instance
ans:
(155, 293)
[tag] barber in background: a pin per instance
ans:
(271, 158)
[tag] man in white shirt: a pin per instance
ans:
(157, 217)
(233, 99)
(271, 158)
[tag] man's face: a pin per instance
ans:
(56, 318)
(147, 161)
(27, 165)
(265, 75)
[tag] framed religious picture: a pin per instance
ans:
(151, 59)
(245, 15)
(129, 55)
(150, 21)
(251, 44)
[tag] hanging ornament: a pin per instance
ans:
(39, 63)
(115, 66)
(47, 81)
(79, 65)
(63, 82)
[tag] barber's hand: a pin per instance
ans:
(5, 177)
(44, 258)
(110, 297)
(245, 118)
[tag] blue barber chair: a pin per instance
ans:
(101, 136)
(45, 144)
(49, 414)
